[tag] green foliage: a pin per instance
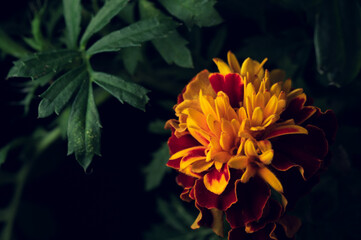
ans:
(84, 126)
(133, 35)
(200, 13)
(156, 169)
(11, 47)
(338, 57)
(177, 222)
(39, 64)
(173, 48)
(72, 15)
(124, 91)
(102, 18)
(61, 91)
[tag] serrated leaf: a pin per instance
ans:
(133, 35)
(129, 92)
(72, 15)
(157, 168)
(172, 48)
(201, 13)
(104, 15)
(61, 91)
(84, 126)
(40, 64)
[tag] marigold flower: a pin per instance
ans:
(239, 135)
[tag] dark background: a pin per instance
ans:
(60, 201)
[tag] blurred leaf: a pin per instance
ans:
(5, 150)
(201, 13)
(217, 42)
(157, 127)
(172, 48)
(156, 169)
(131, 57)
(61, 91)
(11, 47)
(84, 126)
(338, 40)
(129, 92)
(40, 64)
(110, 9)
(72, 15)
(133, 35)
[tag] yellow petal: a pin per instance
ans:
(185, 152)
(250, 149)
(264, 145)
(221, 157)
(226, 141)
(259, 102)
(250, 172)
(186, 161)
(218, 165)
(207, 104)
(233, 62)
(197, 118)
(271, 106)
(238, 162)
(201, 166)
(242, 113)
(266, 157)
(271, 179)
(222, 66)
(257, 117)
(214, 125)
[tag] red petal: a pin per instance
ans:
(264, 234)
(297, 111)
(271, 213)
(185, 141)
(252, 198)
(231, 84)
(305, 151)
(327, 122)
(185, 181)
(207, 199)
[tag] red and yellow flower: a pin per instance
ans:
(239, 134)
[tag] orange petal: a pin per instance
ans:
(238, 162)
(286, 129)
(270, 178)
(200, 81)
(216, 181)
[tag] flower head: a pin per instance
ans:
(237, 132)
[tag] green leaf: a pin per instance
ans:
(157, 168)
(84, 126)
(131, 56)
(72, 15)
(133, 35)
(129, 92)
(61, 91)
(40, 64)
(201, 13)
(104, 15)
(172, 48)
(11, 47)
(337, 40)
